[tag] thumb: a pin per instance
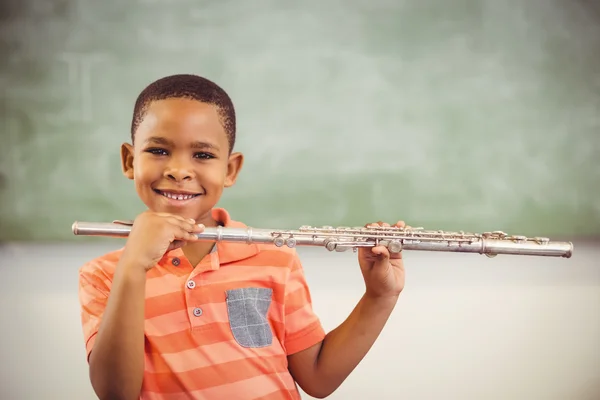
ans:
(381, 252)
(176, 244)
(381, 260)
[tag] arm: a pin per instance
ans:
(321, 369)
(117, 359)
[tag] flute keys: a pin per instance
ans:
(395, 246)
(279, 241)
(330, 244)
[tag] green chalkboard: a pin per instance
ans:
(465, 115)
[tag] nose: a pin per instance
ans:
(178, 171)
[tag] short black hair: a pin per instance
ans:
(187, 86)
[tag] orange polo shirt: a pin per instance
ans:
(222, 330)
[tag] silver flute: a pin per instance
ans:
(395, 239)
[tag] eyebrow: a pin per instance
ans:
(194, 145)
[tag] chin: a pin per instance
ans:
(177, 204)
(194, 206)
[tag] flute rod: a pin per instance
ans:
(345, 238)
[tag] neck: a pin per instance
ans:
(195, 252)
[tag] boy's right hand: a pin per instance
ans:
(153, 234)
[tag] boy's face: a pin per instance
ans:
(180, 161)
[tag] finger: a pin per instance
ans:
(168, 215)
(198, 228)
(376, 224)
(176, 218)
(179, 219)
(184, 233)
(380, 251)
(188, 224)
(400, 224)
(182, 226)
(381, 223)
(191, 236)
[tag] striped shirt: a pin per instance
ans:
(222, 330)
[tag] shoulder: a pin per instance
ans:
(259, 254)
(281, 256)
(283, 253)
(101, 268)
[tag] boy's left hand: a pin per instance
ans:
(383, 272)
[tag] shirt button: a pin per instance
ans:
(191, 284)
(197, 312)
(175, 261)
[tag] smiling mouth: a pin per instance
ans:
(177, 195)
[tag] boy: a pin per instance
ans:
(170, 317)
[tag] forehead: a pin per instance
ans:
(182, 120)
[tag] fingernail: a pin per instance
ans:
(192, 220)
(201, 226)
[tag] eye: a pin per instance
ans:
(204, 155)
(157, 151)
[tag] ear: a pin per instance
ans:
(127, 160)
(234, 165)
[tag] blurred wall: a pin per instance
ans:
(466, 327)
(462, 114)
(450, 114)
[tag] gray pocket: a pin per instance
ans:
(247, 309)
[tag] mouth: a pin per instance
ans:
(177, 194)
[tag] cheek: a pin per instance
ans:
(214, 177)
(145, 175)
(141, 175)
(216, 171)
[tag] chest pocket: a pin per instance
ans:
(247, 312)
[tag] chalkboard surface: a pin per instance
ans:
(463, 115)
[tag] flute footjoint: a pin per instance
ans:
(340, 239)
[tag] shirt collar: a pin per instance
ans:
(232, 251)
(224, 252)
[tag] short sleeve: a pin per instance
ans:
(93, 296)
(303, 328)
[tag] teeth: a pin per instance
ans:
(177, 196)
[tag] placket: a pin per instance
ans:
(200, 312)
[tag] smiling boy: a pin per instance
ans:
(170, 317)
